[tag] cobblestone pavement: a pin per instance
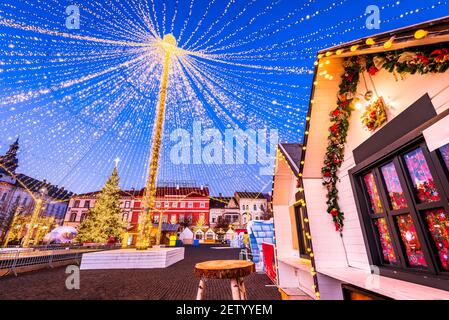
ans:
(174, 283)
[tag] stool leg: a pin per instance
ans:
(242, 289)
(235, 289)
(201, 288)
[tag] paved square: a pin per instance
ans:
(176, 282)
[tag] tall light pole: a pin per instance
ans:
(169, 47)
(34, 216)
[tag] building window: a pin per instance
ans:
(182, 205)
(174, 204)
(76, 204)
(4, 196)
(73, 217)
(213, 220)
(181, 217)
(24, 202)
(404, 205)
(167, 204)
(190, 204)
(158, 204)
(202, 205)
(255, 207)
(127, 204)
(83, 216)
(125, 217)
(165, 218)
(87, 204)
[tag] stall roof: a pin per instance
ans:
(292, 153)
(403, 37)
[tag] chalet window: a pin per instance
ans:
(403, 201)
(302, 232)
(444, 152)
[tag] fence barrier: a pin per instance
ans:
(13, 258)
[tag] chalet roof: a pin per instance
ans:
(404, 37)
(292, 153)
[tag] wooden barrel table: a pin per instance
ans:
(235, 270)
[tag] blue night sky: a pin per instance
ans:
(80, 98)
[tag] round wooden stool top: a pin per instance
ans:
(224, 269)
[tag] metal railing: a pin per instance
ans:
(14, 258)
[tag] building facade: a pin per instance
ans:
(239, 209)
(19, 191)
(177, 205)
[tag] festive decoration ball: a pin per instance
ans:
(420, 34)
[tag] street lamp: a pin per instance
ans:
(34, 216)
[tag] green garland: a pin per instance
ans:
(422, 60)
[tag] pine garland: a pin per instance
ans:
(338, 136)
(421, 60)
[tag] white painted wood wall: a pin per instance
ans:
(330, 249)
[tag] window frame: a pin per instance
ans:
(434, 275)
(302, 230)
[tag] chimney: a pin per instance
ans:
(220, 195)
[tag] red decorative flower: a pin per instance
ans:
(441, 55)
(350, 77)
(373, 70)
(335, 213)
(335, 128)
(344, 104)
(424, 60)
(336, 113)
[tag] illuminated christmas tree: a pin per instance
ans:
(104, 219)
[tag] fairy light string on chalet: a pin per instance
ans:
(301, 202)
(417, 60)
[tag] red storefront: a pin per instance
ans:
(177, 205)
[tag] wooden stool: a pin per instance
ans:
(235, 270)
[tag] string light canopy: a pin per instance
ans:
(81, 98)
